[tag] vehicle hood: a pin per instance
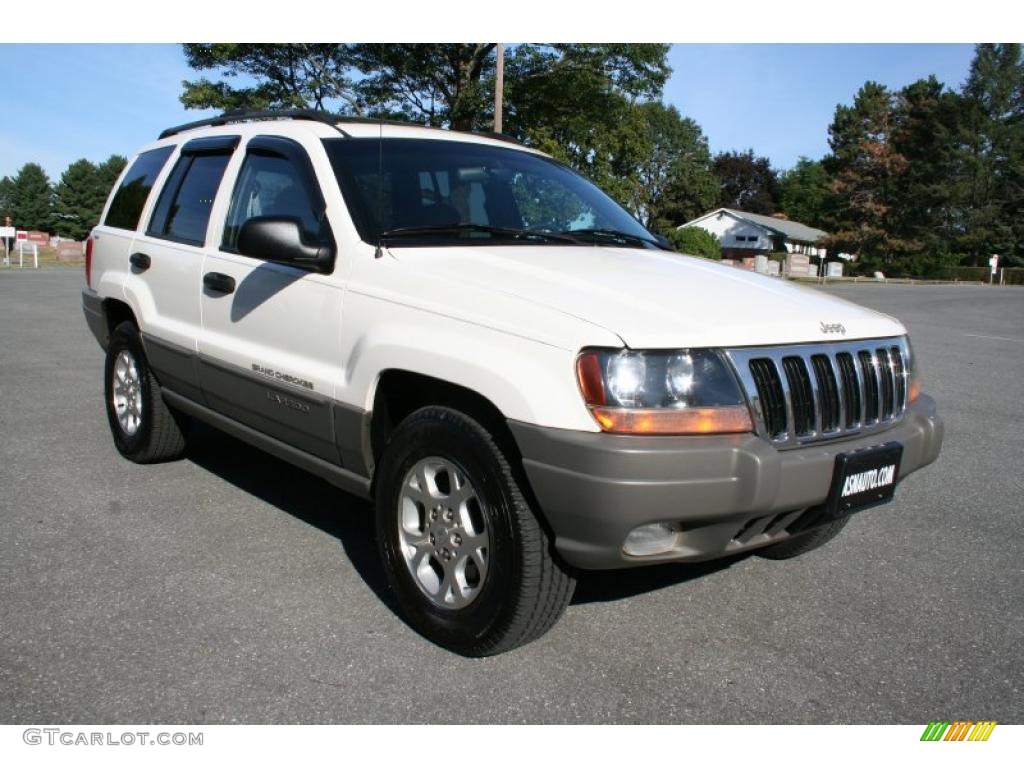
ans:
(653, 299)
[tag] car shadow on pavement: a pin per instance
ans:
(301, 494)
(350, 519)
(608, 586)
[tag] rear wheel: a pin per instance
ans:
(144, 427)
(468, 561)
(804, 542)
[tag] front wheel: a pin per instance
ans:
(467, 558)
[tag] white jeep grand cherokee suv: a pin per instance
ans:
(523, 379)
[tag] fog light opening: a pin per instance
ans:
(651, 539)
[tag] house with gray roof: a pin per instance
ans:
(746, 235)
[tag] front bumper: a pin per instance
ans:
(727, 493)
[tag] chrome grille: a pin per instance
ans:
(801, 395)
(828, 392)
(850, 383)
(810, 392)
(869, 376)
(773, 402)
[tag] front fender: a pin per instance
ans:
(526, 380)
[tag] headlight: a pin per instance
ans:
(677, 392)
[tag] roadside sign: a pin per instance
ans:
(994, 265)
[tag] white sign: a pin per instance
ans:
(7, 231)
(994, 262)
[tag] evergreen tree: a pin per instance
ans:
(992, 180)
(109, 170)
(32, 198)
(922, 212)
(6, 197)
(78, 200)
(863, 164)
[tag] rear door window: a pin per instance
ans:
(183, 209)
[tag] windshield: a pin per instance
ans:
(418, 191)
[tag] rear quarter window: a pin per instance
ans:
(130, 198)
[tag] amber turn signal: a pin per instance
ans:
(915, 389)
(682, 421)
(591, 381)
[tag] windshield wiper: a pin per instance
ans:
(462, 229)
(610, 234)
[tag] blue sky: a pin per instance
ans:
(63, 102)
(779, 99)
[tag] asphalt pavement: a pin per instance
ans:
(230, 587)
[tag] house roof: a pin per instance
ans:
(791, 230)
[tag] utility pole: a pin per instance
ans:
(499, 87)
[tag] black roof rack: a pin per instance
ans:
(241, 115)
(496, 136)
(315, 115)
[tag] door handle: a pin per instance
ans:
(218, 282)
(140, 261)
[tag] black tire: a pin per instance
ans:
(160, 435)
(525, 589)
(804, 542)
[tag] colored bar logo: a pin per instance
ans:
(958, 730)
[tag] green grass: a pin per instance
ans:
(47, 258)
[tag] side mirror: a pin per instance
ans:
(279, 239)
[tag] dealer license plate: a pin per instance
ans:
(864, 478)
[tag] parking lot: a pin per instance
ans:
(230, 587)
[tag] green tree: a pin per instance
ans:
(78, 200)
(863, 163)
(696, 242)
(297, 75)
(922, 198)
(32, 198)
(676, 180)
(438, 84)
(109, 170)
(992, 180)
(804, 192)
(6, 197)
(579, 103)
(747, 183)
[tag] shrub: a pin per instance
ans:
(695, 242)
